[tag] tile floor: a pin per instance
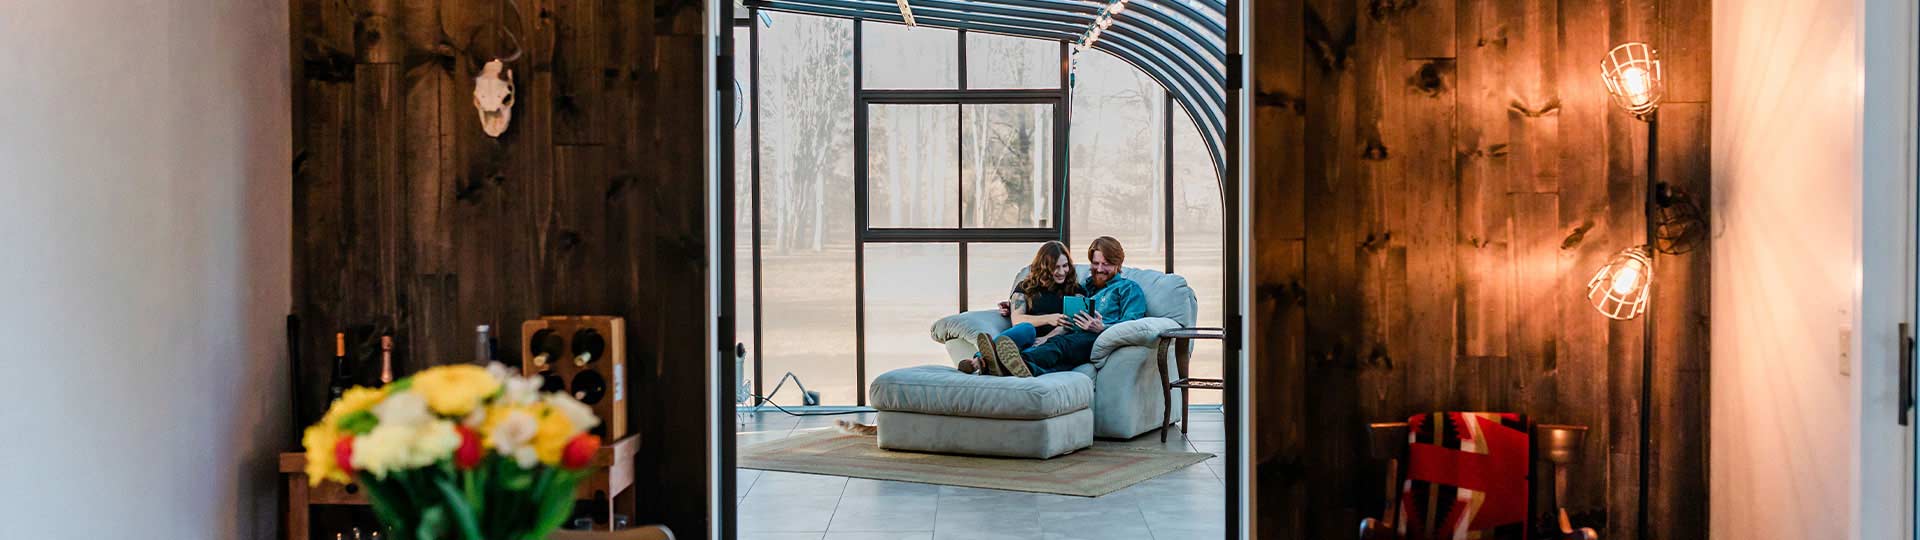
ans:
(1181, 505)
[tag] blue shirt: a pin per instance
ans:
(1120, 301)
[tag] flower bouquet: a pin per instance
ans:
(458, 452)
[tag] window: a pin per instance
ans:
(927, 189)
(1007, 166)
(913, 166)
(899, 57)
(1198, 217)
(1119, 158)
(805, 99)
(996, 61)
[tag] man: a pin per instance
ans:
(1115, 300)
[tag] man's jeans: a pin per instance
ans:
(1061, 353)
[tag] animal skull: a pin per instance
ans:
(493, 97)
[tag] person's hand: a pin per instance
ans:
(1006, 308)
(1039, 340)
(1055, 319)
(1090, 321)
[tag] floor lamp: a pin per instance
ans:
(1623, 288)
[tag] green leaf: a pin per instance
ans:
(399, 385)
(462, 512)
(385, 507)
(359, 423)
(556, 504)
(433, 522)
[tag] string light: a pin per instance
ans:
(1104, 21)
(906, 13)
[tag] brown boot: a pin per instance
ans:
(1010, 360)
(989, 363)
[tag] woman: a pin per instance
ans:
(1034, 308)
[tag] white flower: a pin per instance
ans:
(521, 391)
(499, 371)
(518, 390)
(475, 419)
(577, 413)
(513, 436)
(403, 409)
(398, 447)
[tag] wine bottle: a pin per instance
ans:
(587, 345)
(483, 344)
(386, 359)
(342, 376)
(546, 346)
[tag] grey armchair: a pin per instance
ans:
(1127, 393)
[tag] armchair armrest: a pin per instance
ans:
(965, 325)
(1142, 332)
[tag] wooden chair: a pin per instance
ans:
(650, 532)
(1559, 445)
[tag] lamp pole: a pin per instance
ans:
(1654, 199)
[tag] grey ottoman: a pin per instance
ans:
(939, 409)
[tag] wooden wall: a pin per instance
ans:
(1434, 183)
(407, 216)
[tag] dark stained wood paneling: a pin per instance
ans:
(1433, 184)
(1276, 310)
(407, 216)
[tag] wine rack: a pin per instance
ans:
(584, 356)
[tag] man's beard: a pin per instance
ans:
(1100, 280)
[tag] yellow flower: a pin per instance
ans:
(455, 390)
(550, 440)
(319, 441)
(356, 399)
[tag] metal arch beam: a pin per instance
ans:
(1186, 78)
(1188, 61)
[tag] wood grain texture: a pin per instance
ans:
(1434, 183)
(409, 218)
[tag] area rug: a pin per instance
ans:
(1091, 472)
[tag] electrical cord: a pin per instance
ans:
(769, 401)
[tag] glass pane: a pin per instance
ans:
(909, 286)
(1007, 166)
(743, 201)
(996, 61)
(806, 205)
(1118, 165)
(1197, 228)
(896, 57)
(990, 271)
(913, 166)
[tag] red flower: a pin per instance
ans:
(579, 451)
(343, 454)
(468, 455)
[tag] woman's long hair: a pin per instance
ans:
(1040, 271)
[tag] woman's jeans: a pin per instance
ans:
(1022, 334)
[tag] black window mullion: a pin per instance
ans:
(759, 300)
(860, 223)
(1166, 114)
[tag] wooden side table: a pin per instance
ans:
(1181, 340)
(612, 478)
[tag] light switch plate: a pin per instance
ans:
(1846, 351)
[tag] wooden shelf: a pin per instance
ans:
(612, 478)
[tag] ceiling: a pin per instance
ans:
(1180, 43)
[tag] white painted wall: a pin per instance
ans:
(144, 267)
(1799, 443)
